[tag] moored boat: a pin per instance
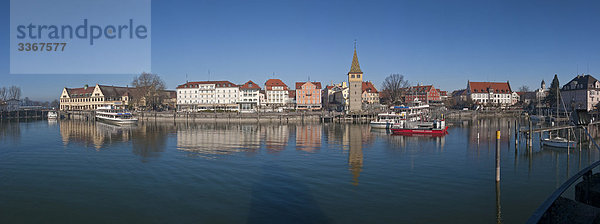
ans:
(437, 127)
(115, 116)
(52, 115)
(386, 120)
(558, 142)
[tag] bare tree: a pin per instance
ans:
(14, 92)
(524, 89)
(394, 86)
(3, 93)
(148, 90)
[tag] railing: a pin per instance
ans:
(586, 173)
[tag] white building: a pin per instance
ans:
(277, 93)
(208, 95)
(582, 92)
(249, 97)
(490, 93)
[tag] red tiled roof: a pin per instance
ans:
(484, 87)
(275, 82)
(369, 86)
(292, 93)
(250, 85)
(443, 93)
(77, 91)
(216, 83)
(300, 84)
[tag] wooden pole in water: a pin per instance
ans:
(530, 136)
(498, 156)
(516, 136)
(568, 140)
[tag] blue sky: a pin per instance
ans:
(444, 43)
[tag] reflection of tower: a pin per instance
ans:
(355, 157)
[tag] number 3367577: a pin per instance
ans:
(42, 46)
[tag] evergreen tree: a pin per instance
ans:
(552, 94)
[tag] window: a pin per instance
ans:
(353, 76)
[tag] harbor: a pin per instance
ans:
(158, 163)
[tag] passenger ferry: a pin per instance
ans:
(52, 115)
(115, 116)
(386, 120)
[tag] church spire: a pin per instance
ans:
(355, 66)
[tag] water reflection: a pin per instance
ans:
(147, 140)
(150, 140)
(10, 131)
(308, 137)
(93, 134)
(209, 140)
(355, 156)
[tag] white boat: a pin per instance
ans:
(416, 112)
(558, 142)
(386, 120)
(115, 116)
(52, 115)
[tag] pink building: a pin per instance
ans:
(308, 95)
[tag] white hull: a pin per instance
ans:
(118, 121)
(559, 143)
(381, 125)
(52, 115)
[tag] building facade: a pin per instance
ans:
(308, 95)
(90, 98)
(249, 97)
(582, 92)
(426, 93)
(355, 78)
(490, 93)
(370, 95)
(208, 95)
(277, 93)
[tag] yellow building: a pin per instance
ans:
(90, 98)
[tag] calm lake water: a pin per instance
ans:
(85, 172)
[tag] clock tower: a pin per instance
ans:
(355, 77)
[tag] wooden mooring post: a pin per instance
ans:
(498, 155)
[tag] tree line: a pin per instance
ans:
(10, 93)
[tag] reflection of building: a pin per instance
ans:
(217, 140)
(276, 137)
(92, 133)
(10, 130)
(355, 156)
(308, 137)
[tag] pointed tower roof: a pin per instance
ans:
(355, 66)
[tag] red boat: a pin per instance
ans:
(435, 128)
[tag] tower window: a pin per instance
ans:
(358, 76)
(353, 76)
